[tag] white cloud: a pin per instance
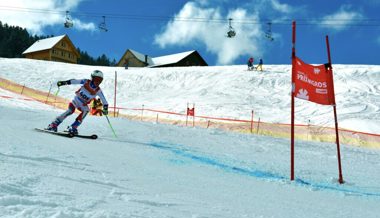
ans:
(341, 19)
(84, 26)
(284, 8)
(212, 29)
(35, 15)
(213, 34)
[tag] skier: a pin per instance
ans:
(250, 63)
(89, 90)
(126, 63)
(260, 65)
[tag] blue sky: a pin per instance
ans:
(161, 27)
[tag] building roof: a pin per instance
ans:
(141, 57)
(170, 59)
(44, 44)
(161, 60)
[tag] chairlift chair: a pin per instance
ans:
(68, 21)
(231, 32)
(102, 25)
(268, 33)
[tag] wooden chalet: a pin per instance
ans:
(59, 48)
(184, 59)
(135, 59)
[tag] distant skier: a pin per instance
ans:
(250, 63)
(89, 90)
(260, 65)
(126, 63)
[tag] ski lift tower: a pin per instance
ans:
(231, 32)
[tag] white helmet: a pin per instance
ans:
(97, 73)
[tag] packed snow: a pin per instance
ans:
(218, 91)
(158, 170)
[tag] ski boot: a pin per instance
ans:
(72, 130)
(52, 127)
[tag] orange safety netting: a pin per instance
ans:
(302, 132)
(43, 97)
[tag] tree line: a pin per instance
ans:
(14, 40)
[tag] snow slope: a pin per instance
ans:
(156, 170)
(221, 91)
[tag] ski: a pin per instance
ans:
(64, 134)
(93, 136)
(67, 134)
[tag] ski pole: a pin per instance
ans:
(111, 126)
(56, 93)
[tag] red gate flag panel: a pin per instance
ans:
(190, 112)
(313, 83)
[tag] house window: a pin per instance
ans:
(63, 44)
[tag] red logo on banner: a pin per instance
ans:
(190, 112)
(313, 83)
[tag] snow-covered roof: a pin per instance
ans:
(170, 59)
(161, 60)
(44, 44)
(141, 57)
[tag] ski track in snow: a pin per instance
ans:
(179, 150)
(182, 152)
(75, 173)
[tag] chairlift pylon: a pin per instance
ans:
(102, 25)
(231, 32)
(68, 21)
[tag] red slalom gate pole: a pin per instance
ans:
(335, 117)
(292, 102)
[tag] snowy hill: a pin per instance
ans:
(222, 91)
(157, 170)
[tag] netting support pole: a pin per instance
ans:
(252, 121)
(114, 101)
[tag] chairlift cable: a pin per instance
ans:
(365, 22)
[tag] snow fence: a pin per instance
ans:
(302, 132)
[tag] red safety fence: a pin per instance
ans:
(302, 132)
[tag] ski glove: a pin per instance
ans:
(105, 109)
(62, 83)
